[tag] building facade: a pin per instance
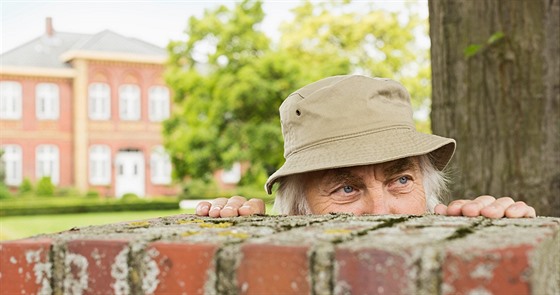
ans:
(86, 110)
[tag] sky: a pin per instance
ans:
(153, 21)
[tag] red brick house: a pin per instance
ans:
(86, 110)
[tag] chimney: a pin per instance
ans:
(49, 27)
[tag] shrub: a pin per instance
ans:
(129, 197)
(200, 189)
(25, 187)
(45, 187)
(92, 194)
(4, 192)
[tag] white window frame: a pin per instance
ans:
(99, 164)
(158, 103)
(232, 175)
(160, 166)
(13, 163)
(47, 162)
(47, 101)
(10, 100)
(129, 102)
(99, 101)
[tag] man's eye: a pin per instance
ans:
(403, 180)
(348, 189)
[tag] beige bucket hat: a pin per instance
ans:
(352, 120)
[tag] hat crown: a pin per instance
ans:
(342, 106)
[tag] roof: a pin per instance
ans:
(46, 51)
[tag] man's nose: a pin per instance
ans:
(376, 204)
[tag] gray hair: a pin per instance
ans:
(290, 197)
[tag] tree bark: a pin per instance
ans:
(496, 90)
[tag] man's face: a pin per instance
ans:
(394, 187)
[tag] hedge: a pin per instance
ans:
(34, 206)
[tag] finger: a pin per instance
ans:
(232, 206)
(253, 206)
(440, 209)
(472, 208)
(454, 208)
(498, 208)
(531, 213)
(517, 210)
(203, 208)
(216, 208)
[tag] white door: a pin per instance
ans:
(129, 174)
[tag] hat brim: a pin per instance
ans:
(366, 149)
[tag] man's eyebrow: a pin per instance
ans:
(337, 176)
(398, 166)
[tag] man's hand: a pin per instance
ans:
(487, 206)
(234, 206)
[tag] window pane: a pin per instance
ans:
(47, 162)
(100, 165)
(99, 101)
(46, 101)
(159, 103)
(12, 158)
(10, 100)
(129, 102)
(160, 166)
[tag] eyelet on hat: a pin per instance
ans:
(298, 113)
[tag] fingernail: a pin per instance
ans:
(215, 208)
(228, 207)
(245, 207)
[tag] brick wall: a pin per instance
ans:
(332, 254)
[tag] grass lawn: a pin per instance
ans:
(16, 227)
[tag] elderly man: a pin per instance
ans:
(351, 146)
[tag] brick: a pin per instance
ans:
(497, 271)
(96, 267)
(178, 267)
(370, 271)
(25, 267)
(274, 269)
(492, 260)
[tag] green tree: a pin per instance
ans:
(363, 39)
(229, 79)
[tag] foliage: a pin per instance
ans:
(25, 187)
(4, 192)
(59, 205)
(45, 187)
(2, 168)
(92, 194)
(229, 79)
(129, 197)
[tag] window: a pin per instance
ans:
(99, 101)
(233, 175)
(10, 100)
(47, 163)
(46, 101)
(12, 164)
(160, 166)
(129, 102)
(99, 165)
(158, 103)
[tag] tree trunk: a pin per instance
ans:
(496, 90)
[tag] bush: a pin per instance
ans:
(129, 197)
(200, 189)
(92, 195)
(58, 205)
(4, 192)
(25, 187)
(45, 187)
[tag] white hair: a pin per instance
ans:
(290, 197)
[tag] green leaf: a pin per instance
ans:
(495, 37)
(472, 49)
